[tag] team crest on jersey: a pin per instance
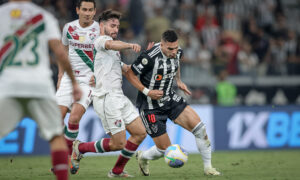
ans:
(92, 36)
(118, 123)
(144, 61)
(154, 128)
(93, 29)
(16, 13)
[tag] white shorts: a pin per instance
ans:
(44, 111)
(115, 111)
(64, 96)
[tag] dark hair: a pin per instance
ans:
(169, 36)
(79, 2)
(109, 14)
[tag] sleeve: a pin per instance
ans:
(64, 38)
(99, 43)
(52, 27)
(142, 64)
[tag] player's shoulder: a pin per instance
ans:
(153, 52)
(71, 23)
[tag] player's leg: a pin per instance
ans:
(155, 124)
(138, 134)
(47, 115)
(78, 109)
(189, 120)
(11, 112)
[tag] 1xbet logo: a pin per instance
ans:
(264, 129)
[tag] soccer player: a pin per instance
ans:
(26, 87)
(157, 101)
(116, 111)
(78, 36)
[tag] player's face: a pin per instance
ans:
(86, 12)
(111, 27)
(169, 48)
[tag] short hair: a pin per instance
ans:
(109, 14)
(79, 2)
(169, 36)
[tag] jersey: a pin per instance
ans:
(108, 72)
(156, 72)
(24, 59)
(80, 41)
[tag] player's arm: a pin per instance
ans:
(180, 84)
(140, 67)
(60, 71)
(117, 45)
(63, 60)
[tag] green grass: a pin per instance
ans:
(240, 165)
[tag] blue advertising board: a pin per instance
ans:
(257, 127)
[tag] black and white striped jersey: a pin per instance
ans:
(156, 72)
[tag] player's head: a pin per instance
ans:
(86, 10)
(109, 21)
(169, 43)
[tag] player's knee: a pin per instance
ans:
(141, 136)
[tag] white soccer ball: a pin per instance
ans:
(175, 156)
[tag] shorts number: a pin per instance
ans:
(151, 118)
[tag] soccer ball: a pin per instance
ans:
(175, 156)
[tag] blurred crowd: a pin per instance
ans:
(235, 37)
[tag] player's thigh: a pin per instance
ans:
(47, 115)
(11, 112)
(113, 106)
(86, 97)
(64, 96)
(154, 122)
(188, 118)
(132, 118)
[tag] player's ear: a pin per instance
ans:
(77, 10)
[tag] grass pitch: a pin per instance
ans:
(240, 165)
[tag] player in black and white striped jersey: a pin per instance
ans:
(157, 101)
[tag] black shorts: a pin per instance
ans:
(155, 120)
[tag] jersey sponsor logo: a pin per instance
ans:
(137, 68)
(158, 77)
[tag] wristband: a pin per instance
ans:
(145, 91)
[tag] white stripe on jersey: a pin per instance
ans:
(152, 82)
(171, 79)
(154, 52)
(163, 81)
(145, 122)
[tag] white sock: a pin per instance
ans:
(203, 144)
(153, 153)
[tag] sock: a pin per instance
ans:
(97, 146)
(153, 153)
(60, 164)
(203, 144)
(124, 157)
(70, 134)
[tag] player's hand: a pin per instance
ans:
(77, 93)
(155, 94)
(125, 68)
(136, 47)
(150, 45)
(92, 81)
(183, 87)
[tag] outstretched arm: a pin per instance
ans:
(134, 80)
(120, 45)
(180, 84)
